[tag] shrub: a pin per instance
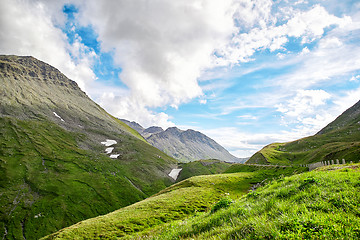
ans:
(223, 203)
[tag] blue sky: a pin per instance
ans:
(246, 73)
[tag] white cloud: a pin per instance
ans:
(247, 117)
(355, 78)
(118, 104)
(308, 26)
(202, 101)
(305, 103)
(27, 28)
(161, 46)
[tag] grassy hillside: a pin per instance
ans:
(54, 171)
(187, 198)
(47, 180)
(342, 143)
(322, 204)
(201, 167)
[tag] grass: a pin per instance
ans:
(322, 204)
(181, 200)
(201, 167)
(47, 182)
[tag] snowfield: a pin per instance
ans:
(109, 150)
(109, 142)
(56, 115)
(175, 173)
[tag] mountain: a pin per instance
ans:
(189, 145)
(338, 140)
(63, 158)
(184, 146)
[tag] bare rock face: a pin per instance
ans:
(186, 145)
(32, 88)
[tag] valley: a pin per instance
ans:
(70, 170)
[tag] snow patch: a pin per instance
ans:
(109, 150)
(109, 142)
(114, 155)
(175, 173)
(56, 115)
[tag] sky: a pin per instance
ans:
(244, 72)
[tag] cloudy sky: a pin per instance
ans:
(244, 72)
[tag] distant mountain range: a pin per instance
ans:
(183, 145)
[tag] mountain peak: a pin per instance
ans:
(173, 130)
(28, 66)
(189, 145)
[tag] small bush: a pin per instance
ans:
(252, 194)
(223, 203)
(307, 182)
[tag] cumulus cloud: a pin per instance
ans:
(304, 103)
(27, 28)
(307, 25)
(162, 46)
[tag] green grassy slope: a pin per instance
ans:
(47, 182)
(53, 168)
(189, 197)
(201, 167)
(322, 204)
(339, 140)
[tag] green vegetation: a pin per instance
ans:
(47, 182)
(186, 198)
(339, 144)
(223, 203)
(201, 167)
(322, 204)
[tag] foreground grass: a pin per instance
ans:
(187, 198)
(323, 204)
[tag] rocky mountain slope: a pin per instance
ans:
(62, 157)
(338, 140)
(186, 145)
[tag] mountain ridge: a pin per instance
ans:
(184, 145)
